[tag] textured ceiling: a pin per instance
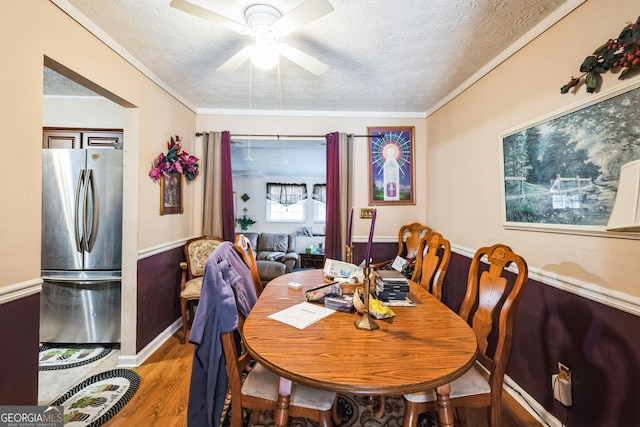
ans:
(391, 56)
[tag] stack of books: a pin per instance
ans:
(391, 285)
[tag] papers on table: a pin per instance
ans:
(341, 271)
(302, 315)
(399, 264)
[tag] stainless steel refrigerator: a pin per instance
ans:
(81, 245)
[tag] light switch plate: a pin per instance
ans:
(366, 213)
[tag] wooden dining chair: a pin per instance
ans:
(432, 261)
(196, 253)
(256, 390)
(243, 246)
(409, 238)
(489, 291)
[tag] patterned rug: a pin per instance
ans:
(355, 412)
(53, 357)
(98, 398)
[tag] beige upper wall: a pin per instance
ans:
(464, 182)
(458, 192)
(389, 218)
(30, 31)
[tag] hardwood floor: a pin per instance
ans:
(161, 399)
(163, 395)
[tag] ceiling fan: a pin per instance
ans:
(265, 24)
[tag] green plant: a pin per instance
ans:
(245, 222)
(615, 53)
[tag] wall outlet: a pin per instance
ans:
(561, 384)
(564, 368)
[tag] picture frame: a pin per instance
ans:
(391, 165)
(171, 194)
(559, 173)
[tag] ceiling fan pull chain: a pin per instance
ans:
(279, 86)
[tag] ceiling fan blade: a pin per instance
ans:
(301, 15)
(302, 59)
(203, 13)
(236, 60)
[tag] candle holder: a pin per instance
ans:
(366, 322)
(349, 254)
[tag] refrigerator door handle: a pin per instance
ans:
(79, 185)
(90, 234)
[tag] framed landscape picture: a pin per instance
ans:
(391, 180)
(560, 173)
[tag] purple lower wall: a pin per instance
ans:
(158, 307)
(19, 335)
(598, 343)
(158, 294)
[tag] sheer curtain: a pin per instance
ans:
(320, 192)
(338, 197)
(218, 216)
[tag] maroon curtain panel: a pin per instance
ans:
(333, 238)
(228, 226)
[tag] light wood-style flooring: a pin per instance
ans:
(163, 395)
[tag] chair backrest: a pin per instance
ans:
(243, 246)
(432, 261)
(409, 238)
(196, 253)
(490, 291)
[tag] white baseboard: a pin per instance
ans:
(135, 360)
(530, 404)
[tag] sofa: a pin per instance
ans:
(275, 254)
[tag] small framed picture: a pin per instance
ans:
(171, 194)
(391, 166)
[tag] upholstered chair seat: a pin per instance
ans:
(192, 288)
(263, 384)
(472, 383)
(258, 390)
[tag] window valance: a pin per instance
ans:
(286, 194)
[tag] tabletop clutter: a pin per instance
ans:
(344, 290)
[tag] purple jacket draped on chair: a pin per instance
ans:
(227, 288)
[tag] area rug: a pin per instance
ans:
(98, 398)
(354, 411)
(53, 357)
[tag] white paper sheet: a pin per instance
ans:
(302, 315)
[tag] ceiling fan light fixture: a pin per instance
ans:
(264, 54)
(266, 24)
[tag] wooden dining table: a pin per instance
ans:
(422, 347)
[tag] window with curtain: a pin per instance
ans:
(286, 202)
(320, 202)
